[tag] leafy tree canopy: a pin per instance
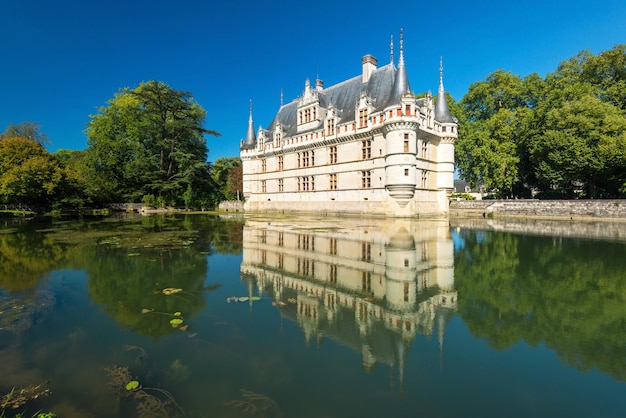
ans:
(561, 136)
(29, 175)
(27, 129)
(150, 140)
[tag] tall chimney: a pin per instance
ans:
(369, 65)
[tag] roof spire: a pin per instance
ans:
(391, 50)
(250, 140)
(401, 60)
(442, 112)
(401, 84)
(441, 71)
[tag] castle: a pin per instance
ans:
(373, 287)
(365, 145)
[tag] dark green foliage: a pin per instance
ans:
(563, 136)
(515, 288)
(150, 140)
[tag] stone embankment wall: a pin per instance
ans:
(568, 209)
(124, 207)
(604, 229)
(231, 206)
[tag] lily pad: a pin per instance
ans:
(177, 313)
(171, 291)
(176, 322)
(132, 385)
(255, 298)
(243, 299)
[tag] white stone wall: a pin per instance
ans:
(411, 182)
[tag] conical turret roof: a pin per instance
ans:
(442, 112)
(250, 141)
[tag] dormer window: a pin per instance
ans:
(278, 134)
(307, 115)
(330, 126)
(363, 118)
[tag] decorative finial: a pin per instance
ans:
(440, 70)
(281, 98)
(401, 60)
(391, 50)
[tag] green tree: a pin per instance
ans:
(561, 136)
(582, 146)
(29, 175)
(575, 135)
(27, 129)
(492, 114)
(227, 176)
(149, 140)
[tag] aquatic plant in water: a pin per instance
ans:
(148, 402)
(256, 405)
(175, 322)
(20, 396)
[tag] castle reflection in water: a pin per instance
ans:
(372, 285)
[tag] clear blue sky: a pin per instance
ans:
(63, 59)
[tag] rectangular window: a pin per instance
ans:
(333, 182)
(406, 172)
(332, 243)
(281, 163)
(330, 127)
(298, 155)
(264, 186)
(263, 166)
(333, 155)
(366, 149)
(313, 183)
(332, 273)
(366, 251)
(312, 158)
(281, 239)
(363, 118)
(366, 179)
(407, 110)
(280, 185)
(299, 185)
(366, 281)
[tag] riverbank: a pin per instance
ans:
(611, 210)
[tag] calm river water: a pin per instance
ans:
(207, 316)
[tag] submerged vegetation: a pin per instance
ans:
(148, 402)
(18, 397)
(255, 405)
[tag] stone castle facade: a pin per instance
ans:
(365, 145)
(372, 286)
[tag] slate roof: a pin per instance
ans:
(385, 87)
(344, 97)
